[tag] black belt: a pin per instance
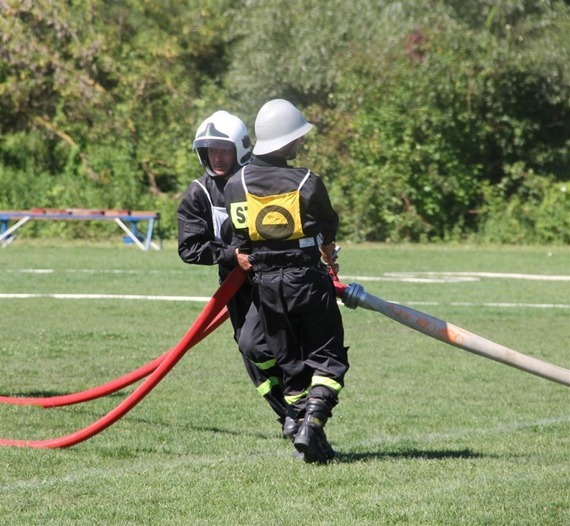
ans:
(267, 260)
(304, 243)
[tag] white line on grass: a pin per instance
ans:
(205, 299)
(410, 278)
(515, 305)
(88, 271)
(500, 275)
(202, 299)
(415, 277)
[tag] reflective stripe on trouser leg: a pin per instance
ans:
(263, 366)
(333, 385)
(325, 381)
(293, 399)
(265, 387)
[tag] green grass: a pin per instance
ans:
(427, 434)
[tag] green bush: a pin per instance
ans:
(430, 117)
(448, 114)
(538, 212)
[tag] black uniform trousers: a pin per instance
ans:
(254, 350)
(298, 312)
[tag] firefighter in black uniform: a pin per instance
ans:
(223, 146)
(283, 224)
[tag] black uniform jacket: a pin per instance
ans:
(196, 239)
(271, 176)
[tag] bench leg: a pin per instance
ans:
(6, 236)
(134, 238)
(149, 233)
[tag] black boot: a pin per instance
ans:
(290, 425)
(290, 428)
(311, 439)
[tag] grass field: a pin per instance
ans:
(426, 434)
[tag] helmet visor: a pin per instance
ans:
(219, 144)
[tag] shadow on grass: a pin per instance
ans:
(51, 394)
(34, 394)
(443, 454)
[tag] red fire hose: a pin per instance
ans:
(206, 318)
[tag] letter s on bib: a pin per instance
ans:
(238, 214)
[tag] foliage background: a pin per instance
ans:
(435, 120)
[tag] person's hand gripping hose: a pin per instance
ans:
(330, 255)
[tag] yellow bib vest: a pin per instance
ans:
(273, 217)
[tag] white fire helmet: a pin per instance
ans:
(224, 131)
(278, 123)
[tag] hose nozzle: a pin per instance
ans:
(353, 295)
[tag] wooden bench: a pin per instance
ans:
(121, 217)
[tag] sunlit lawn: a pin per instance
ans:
(426, 433)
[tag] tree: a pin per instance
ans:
(112, 89)
(430, 117)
